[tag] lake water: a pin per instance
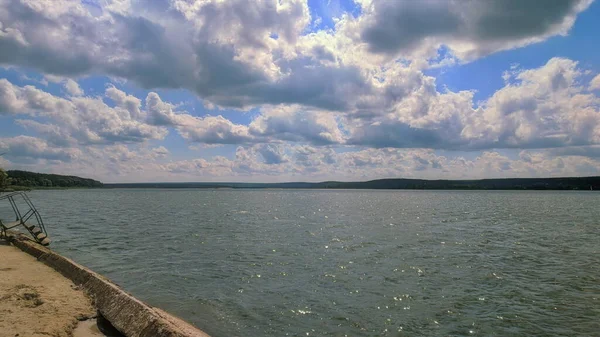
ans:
(337, 263)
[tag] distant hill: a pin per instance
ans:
(576, 183)
(43, 180)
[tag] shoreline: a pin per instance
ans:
(127, 314)
(25, 180)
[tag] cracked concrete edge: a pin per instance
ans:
(130, 316)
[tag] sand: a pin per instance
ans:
(37, 301)
(88, 328)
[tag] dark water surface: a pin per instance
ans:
(337, 263)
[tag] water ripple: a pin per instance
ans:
(335, 263)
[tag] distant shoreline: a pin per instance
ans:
(24, 180)
(13, 188)
(567, 183)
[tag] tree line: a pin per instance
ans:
(17, 178)
(566, 183)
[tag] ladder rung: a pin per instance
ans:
(18, 222)
(12, 223)
(40, 236)
(45, 242)
(35, 230)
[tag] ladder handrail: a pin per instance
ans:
(35, 212)
(22, 218)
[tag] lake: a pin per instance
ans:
(344, 262)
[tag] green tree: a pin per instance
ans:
(4, 179)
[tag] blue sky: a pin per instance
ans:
(300, 90)
(485, 74)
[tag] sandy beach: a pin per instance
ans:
(36, 301)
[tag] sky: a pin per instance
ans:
(297, 90)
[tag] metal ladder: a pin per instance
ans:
(31, 219)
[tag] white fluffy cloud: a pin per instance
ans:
(294, 124)
(595, 83)
(30, 149)
(219, 50)
(238, 53)
(212, 130)
(352, 101)
(539, 108)
(546, 107)
(73, 88)
(159, 112)
(83, 119)
(287, 163)
(542, 107)
(271, 162)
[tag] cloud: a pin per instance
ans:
(81, 119)
(53, 134)
(595, 83)
(469, 28)
(30, 149)
(73, 88)
(194, 165)
(160, 152)
(11, 100)
(297, 125)
(322, 164)
(545, 107)
(131, 104)
(285, 162)
(159, 112)
(312, 157)
(262, 159)
(350, 102)
(219, 50)
(583, 151)
(272, 154)
(89, 120)
(217, 167)
(542, 108)
(224, 51)
(212, 130)
(273, 124)
(113, 162)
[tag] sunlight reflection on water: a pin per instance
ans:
(356, 263)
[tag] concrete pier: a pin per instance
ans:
(127, 314)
